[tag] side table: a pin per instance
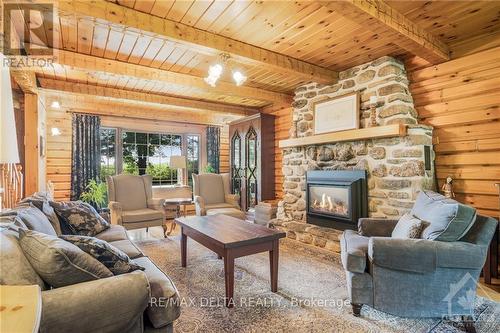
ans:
(20, 308)
(177, 202)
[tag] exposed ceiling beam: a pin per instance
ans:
(97, 64)
(196, 38)
(108, 107)
(122, 94)
(378, 16)
(26, 80)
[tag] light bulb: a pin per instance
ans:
(215, 70)
(211, 80)
(55, 105)
(239, 78)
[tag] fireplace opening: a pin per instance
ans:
(336, 199)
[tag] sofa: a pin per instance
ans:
(431, 277)
(121, 303)
(212, 195)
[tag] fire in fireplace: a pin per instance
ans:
(336, 199)
(329, 200)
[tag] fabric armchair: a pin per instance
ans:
(131, 202)
(212, 195)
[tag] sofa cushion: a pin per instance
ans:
(58, 262)
(15, 269)
(113, 258)
(448, 220)
(128, 247)
(218, 205)
(408, 226)
(113, 233)
(354, 250)
(164, 306)
(79, 218)
(34, 219)
(141, 215)
(228, 211)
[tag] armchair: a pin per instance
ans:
(131, 202)
(212, 196)
(414, 277)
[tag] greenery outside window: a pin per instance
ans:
(149, 153)
(139, 153)
(108, 152)
(192, 156)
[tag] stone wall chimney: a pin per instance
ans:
(395, 166)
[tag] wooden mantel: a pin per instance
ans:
(350, 135)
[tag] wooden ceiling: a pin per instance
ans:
(164, 48)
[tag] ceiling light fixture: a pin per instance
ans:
(55, 105)
(239, 78)
(215, 72)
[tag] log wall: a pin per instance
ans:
(461, 100)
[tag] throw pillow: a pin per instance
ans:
(79, 218)
(43, 204)
(113, 258)
(449, 220)
(59, 263)
(32, 218)
(408, 226)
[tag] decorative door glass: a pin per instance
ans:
(236, 163)
(251, 167)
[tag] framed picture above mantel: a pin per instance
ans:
(336, 114)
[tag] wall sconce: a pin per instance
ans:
(55, 105)
(54, 131)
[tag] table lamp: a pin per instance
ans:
(10, 174)
(179, 163)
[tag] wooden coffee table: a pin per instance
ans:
(231, 238)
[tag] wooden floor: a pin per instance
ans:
(491, 292)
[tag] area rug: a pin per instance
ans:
(312, 294)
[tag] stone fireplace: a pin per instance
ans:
(337, 198)
(395, 167)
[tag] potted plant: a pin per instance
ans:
(209, 169)
(96, 194)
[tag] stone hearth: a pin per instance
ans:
(395, 166)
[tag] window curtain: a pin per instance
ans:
(85, 153)
(213, 147)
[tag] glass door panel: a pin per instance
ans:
(251, 167)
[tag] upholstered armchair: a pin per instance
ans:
(418, 277)
(212, 196)
(131, 202)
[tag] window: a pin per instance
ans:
(140, 153)
(192, 156)
(108, 152)
(149, 153)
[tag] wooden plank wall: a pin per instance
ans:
(282, 125)
(224, 149)
(461, 100)
(58, 156)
